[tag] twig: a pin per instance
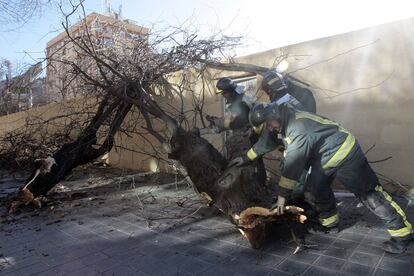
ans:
(381, 160)
(368, 150)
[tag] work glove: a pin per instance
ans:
(238, 161)
(213, 123)
(279, 206)
(212, 120)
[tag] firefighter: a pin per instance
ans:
(238, 105)
(237, 117)
(282, 89)
(334, 154)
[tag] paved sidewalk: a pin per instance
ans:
(134, 229)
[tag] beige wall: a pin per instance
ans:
(17, 120)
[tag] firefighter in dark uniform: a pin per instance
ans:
(333, 153)
(236, 118)
(238, 105)
(281, 89)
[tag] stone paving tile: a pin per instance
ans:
(9, 263)
(94, 258)
(33, 269)
(345, 244)
(214, 257)
(394, 265)
(381, 272)
(194, 266)
(246, 254)
(70, 267)
(13, 273)
(352, 237)
(322, 240)
(276, 272)
(374, 240)
(319, 271)
(292, 267)
(115, 240)
(251, 270)
(219, 270)
(340, 253)
(365, 259)
(306, 257)
(268, 260)
(279, 250)
(332, 263)
(158, 268)
(370, 249)
(193, 251)
(356, 269)
(120, 270)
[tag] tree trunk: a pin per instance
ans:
(82, 151)
(244, 199)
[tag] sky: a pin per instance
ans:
(264, 24)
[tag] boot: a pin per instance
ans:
(318, 229)
(397, 245)
(381, 204)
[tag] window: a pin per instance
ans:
(107, 41)
(98, 26)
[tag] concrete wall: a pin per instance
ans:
(363, 80)
(17, 120)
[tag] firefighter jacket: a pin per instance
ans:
(307, 138)
(237, 114)
(303, 95)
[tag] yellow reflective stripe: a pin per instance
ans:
(218, 91)
(287, 183)
(345, 148)
(398, 232)
(251, 154)
(287, 140)
(226, 123)
(316, 118)
(329, 221)
(341, 153)
(258, 129)
(313, 117)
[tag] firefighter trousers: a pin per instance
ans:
(358, 177)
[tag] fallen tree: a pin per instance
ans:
(135, 75)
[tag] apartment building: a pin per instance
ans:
(102, 32)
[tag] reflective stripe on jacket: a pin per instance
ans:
(311, 138)
(307, 138)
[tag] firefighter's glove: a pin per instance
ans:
(213, 123)
(238, 161)
(212, 119)
(279, 206)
